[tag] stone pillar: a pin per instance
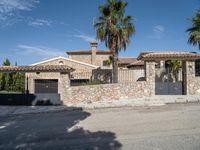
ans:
(150, 75)
(64, 84)
(31, 84)
(188, 77)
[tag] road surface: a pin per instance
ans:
(170, 127)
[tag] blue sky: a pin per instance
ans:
(35, 30)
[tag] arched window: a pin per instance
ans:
(61, 63)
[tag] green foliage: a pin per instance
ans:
(2, 81)
(175, 66)
(114, 28)
(194, 31)
(6, 62)
(94, 82)
(12, 82)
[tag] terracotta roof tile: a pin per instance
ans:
(47, 68)
(88, 52)
(127, 60)
(137, 63)
(168, 55)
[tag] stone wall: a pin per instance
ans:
(108, 92)
(43, 75)
(99, 60)
(87, 58)
(96, 93)
(84, 58)
(191, 82)
(63, 81)
(195, 86)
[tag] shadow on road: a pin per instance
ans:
(53, 131)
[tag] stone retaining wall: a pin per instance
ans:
(194, 86)
(111, 92)
(191, 82)
(108, 92)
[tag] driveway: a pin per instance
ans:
(170, 127)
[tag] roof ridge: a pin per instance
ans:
(61, 57)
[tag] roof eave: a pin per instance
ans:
(168, 58)
(30, 69)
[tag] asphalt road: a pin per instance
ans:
(171, 127)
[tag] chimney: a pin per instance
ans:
(94, 50)
(94, 45)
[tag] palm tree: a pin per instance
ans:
(115, 29)
(194, 31)
(175, 66)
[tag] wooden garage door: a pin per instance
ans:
(46, 86)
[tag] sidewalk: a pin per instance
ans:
(151, 101)
(157, 100)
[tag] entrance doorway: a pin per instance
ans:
(169, 79)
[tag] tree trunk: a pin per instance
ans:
(115, 67)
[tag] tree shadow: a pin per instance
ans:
(53, 131)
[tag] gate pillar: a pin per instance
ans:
(150, 74)
(188, 76)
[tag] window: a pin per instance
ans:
(61, 63)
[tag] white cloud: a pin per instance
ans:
(10, 9)
(39, 51)
(158, 28)
(158, 32)
(7, 6)
(85, 37)
(39, 22)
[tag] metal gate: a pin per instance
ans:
(46, 86)
(168, 82)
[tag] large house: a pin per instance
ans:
(87, 60)
(92, 65)
(87, 64)
(147, 75)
